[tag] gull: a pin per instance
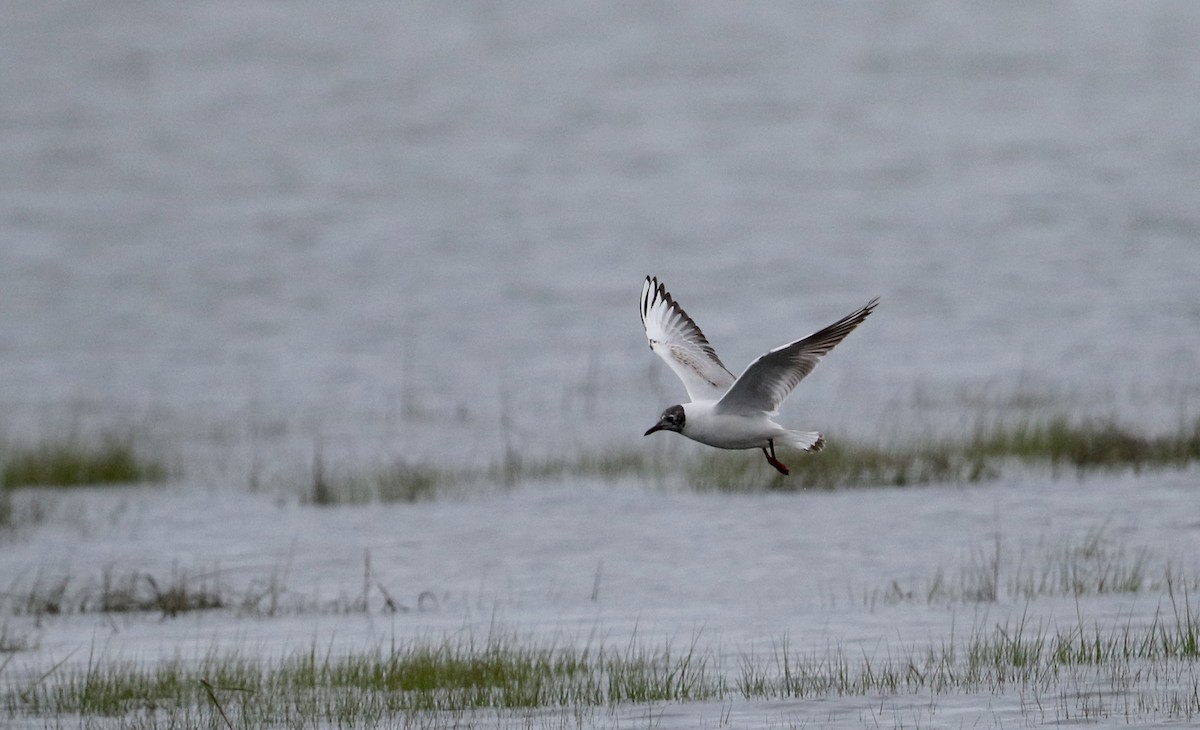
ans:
(728, 412)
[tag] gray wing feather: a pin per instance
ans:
(770, 378)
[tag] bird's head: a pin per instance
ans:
(671, 419)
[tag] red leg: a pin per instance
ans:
(779, 465)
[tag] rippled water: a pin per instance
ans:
(380, 224)
(734, 578)
(250, 231)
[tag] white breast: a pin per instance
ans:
(724, 430)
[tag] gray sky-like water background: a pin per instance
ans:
(249, 232)
(379, 225)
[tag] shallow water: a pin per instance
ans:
(734, 576)
(254, 232)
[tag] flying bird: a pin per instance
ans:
(728, 412)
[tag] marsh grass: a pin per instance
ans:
(453, 678)
(398, 482)
(412, 482)
(368, 687)
(1054, 443)
(1019, 655)
(1099, 444)
(839, 465)
(72, 461)
(181, 593)
(417, 482)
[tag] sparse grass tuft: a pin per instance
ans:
(1020, 656)
(1093, 564)
(11, 642)
(416, 482)
(183, 593)
(610, 465)
(412, 482)
(71, 462)
(401, 482)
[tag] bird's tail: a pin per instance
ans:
(810, 441)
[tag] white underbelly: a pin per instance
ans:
(731, 432)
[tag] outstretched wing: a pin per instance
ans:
(678, 341)
(771, 377)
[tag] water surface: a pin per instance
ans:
(252, 232)
(379, 226)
